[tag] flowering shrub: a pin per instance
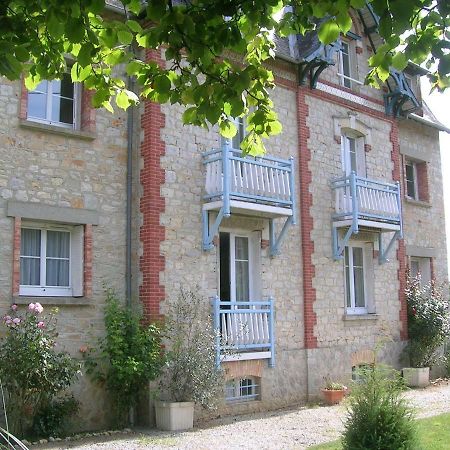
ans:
(428, 321)
(31, 369)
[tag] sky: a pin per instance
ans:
(440, 105)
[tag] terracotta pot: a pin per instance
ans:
(333, 396)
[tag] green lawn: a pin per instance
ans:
(434, 434)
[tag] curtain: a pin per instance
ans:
(30, 257)
(58, 258)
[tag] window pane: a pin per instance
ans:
(30, 271)
(414, 268)
(58, 244)
(241, 245)
(359, 287)
(67, 88)
(242, 285)
(57, 272)
(62, 110)
(37, 105)
(347, 279)
(30, 242)
(410, 182)
(357, 257)
(352, 149)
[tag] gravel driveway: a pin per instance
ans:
(285, 429)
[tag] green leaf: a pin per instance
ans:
(399, 61)
(122, 100)
(96, 6)
(125, 37)
(227, 129)
(190, 115)
(75, 30)
(328, 32)
(134, 26)
(55, 27)
(156, 9)
(22, 54)
(85, 54)
(31, 81)
(162, 84)
(344, 21)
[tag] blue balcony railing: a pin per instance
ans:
(359, 198)
(244, 328)
(265, 180)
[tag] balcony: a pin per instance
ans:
(262, 187)
(361, 202)
(245, 330)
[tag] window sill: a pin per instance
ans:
(415, 202)
(359, 317)
(57, 301)
(57, 130)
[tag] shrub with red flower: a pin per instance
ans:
(31, 370)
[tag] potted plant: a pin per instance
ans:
(333, 392)
(190, 375)
(428, 327)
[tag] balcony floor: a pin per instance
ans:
(364, 223)
(250, 209)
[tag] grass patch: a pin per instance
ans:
(433, 432)
(161, 441)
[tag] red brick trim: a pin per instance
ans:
(152, 205)
(88, 112)
(87, 266)
(306, 201)
(16, 256)
(401, 251)
(358, 50)
(23, 105)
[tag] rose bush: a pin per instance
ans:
(31, 369)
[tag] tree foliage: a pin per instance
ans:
(216, 49)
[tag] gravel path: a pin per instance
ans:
(285, 429)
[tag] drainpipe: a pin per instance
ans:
(130, 126)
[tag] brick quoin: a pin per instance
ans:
(152, 205)
(401, 251)
(309, 293)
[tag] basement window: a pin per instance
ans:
(242, 390)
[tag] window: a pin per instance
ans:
(353, 155)
(242, 390)
(345, 72)
(239, 270)
(420, 266)
(51, 261)
(54, 102)
(236, 141)
(358, 286)
(411, 180)
(416, 180)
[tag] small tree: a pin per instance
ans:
(130, 355)
(31, 369)
(378, 417)
(190, 373)
(428, 321)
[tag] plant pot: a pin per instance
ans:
(416, 376)
(174, 416)
(333, 396)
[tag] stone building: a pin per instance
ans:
(308, 246)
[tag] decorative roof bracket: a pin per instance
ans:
(382, 253)
(274, 241)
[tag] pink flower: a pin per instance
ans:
(38, 308)
(14, 307)
(6, 318)
(41, 325)
(8, 322)
(83, 349)
(16, 321)
(31, 307)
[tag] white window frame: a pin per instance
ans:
(239, 123)
(360, 155)
(233, 261)
(366, 253)
(413, 164)
(424, 268)
(234, 390)
(351, 54)
(48, 113)
(43, 290)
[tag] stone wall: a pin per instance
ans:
(82, 171)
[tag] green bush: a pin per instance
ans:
(190, 373)
(52, 418)
(31, 369)
(130, 356)
(378, 417)
(428, 322)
